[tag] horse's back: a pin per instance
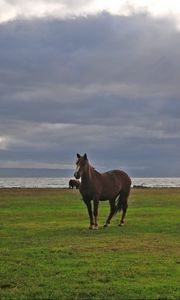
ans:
(118, 176)
(113, 183)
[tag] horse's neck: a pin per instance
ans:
(89, 174)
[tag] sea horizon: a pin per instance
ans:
(63, 182)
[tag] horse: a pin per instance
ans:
(74, 183)
(112, 185)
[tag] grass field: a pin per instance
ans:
(48, 252)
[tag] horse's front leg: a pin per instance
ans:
(89, 208)
(95, 212)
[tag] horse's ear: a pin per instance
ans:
(85, 156)
(78, 155)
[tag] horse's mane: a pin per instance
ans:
(91, 166)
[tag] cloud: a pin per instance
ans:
(3, 142)
(106, 85)
(19, 9)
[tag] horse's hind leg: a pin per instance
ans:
(112, 212)
(124, 209)
(124, 205)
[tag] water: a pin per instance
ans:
(156, 182)
(34, 182)
(62, 182)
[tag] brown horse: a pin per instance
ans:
(102, 186)
(74, 183)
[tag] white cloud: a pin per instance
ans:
(3, 143)
(10, 10)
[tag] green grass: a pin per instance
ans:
(48, 252)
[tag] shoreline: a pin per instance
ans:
(63, 182)
(68, 189)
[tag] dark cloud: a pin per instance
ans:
(105, 85)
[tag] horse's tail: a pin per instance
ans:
(119, 205)
(122, 201)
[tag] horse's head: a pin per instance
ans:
(80, 165)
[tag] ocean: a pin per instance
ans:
(62, 182)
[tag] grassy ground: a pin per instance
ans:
(47, 252)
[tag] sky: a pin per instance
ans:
(96, 77)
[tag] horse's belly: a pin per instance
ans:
(104, 199)
(108, 197)
(104, 193)
(110, 192)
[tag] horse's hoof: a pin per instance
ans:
(95, 227)
(91, 227)
(121, 224)
(105, 225)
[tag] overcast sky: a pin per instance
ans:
(101, 77)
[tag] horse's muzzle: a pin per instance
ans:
(76, 175)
